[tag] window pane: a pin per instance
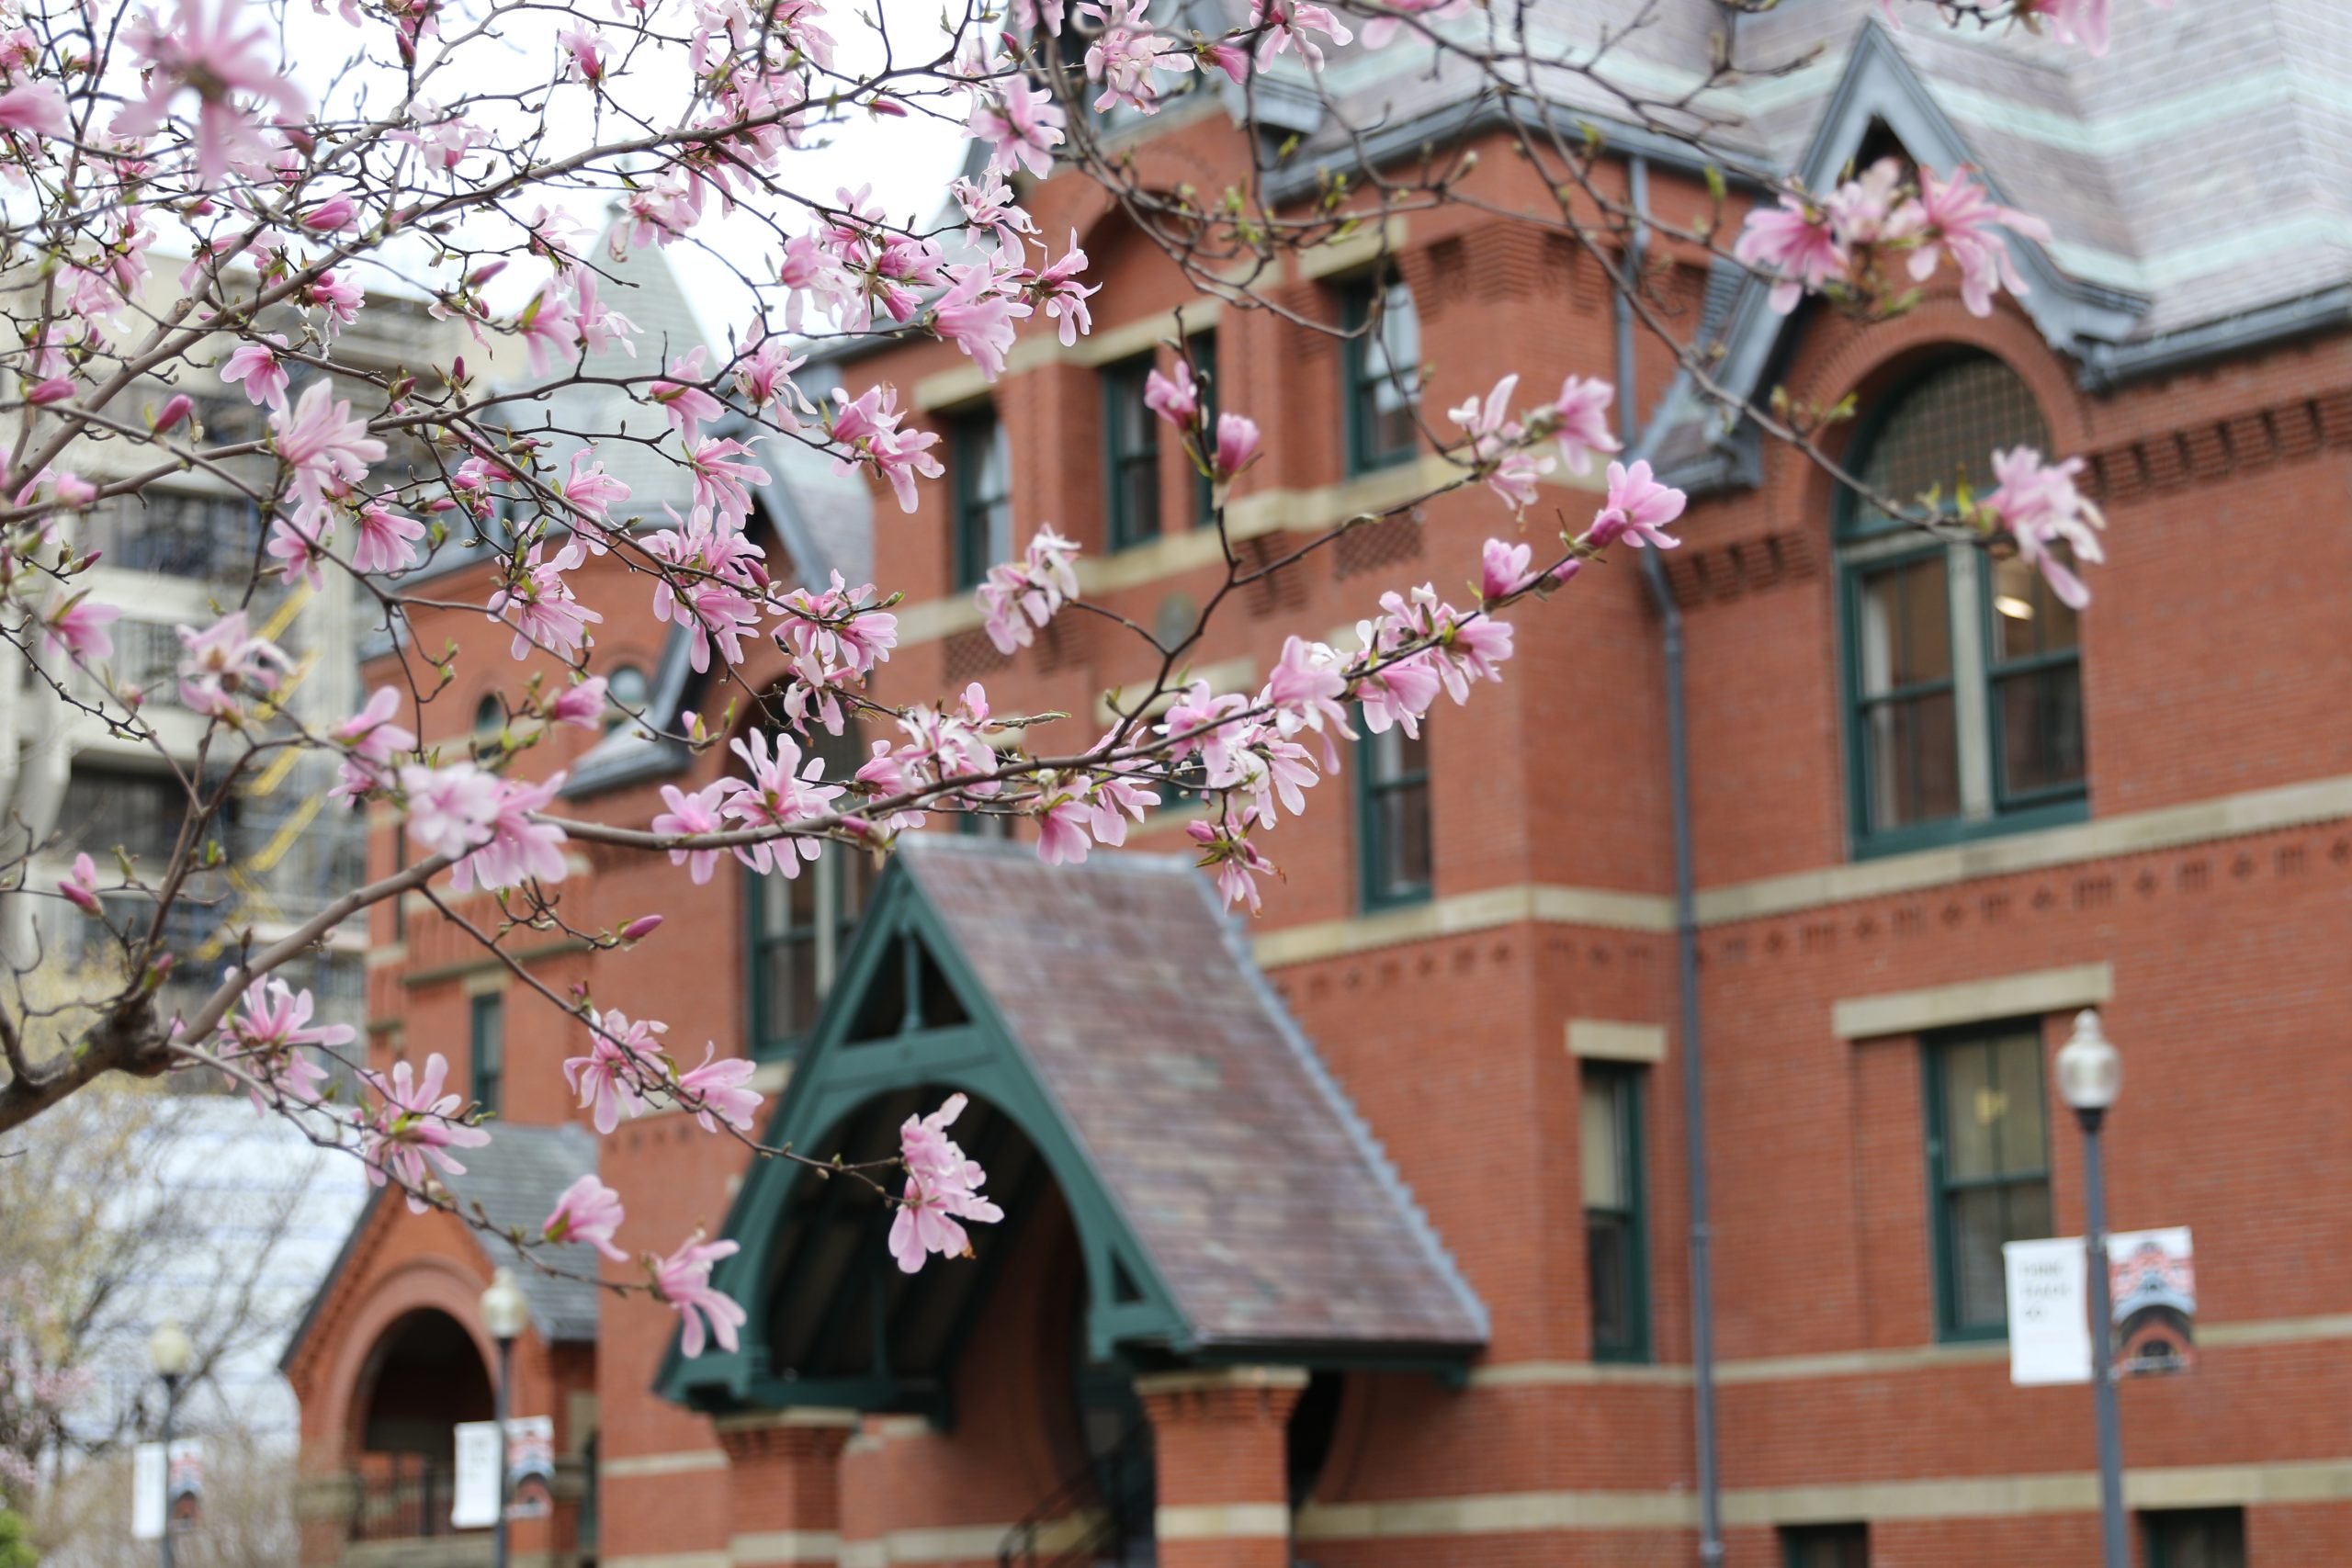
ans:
(2028, 618)
(1600, 1147)
(1393, 359)
(1945, 425)
(1974, 1215)
(1912, 761)
(1973, 1108)
(1137, 499)
(788, 979)
(1403, 811)
(2023, 1139)
(1905, 626)
(1608, 1265)
(2041, 728)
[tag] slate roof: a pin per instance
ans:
(1260, 1196)
(515, 1179)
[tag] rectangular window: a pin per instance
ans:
(2034, 666)
(983, 489)
(2195, 1537)
(486, 1046)
(110, 808)
(1393, 816)
(1131, 455)
(1826, 1546)
(1988, 1167)
(800, 928)
(1904, 693)
(1609, 1139)
(1382, 367)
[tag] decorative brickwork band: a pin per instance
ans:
(1218, 1442)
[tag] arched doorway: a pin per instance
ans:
(424, 1377)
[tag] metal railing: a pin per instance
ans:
(411, 1501)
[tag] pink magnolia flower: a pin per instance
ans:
(551, 330)
(370, 739)
(81, 886)
(1306, 690)
(1639, 509)
(1869, 208)
(265, 1035)
(580, 703)
(1125, 52)
(624, 1055)
(697, 812)
(300, 543)
(37, 109)
(383, 540)
(1065, 297)
(450, 809)
(2042, 509)
(79, 629)
(415, 1128)
(540, 605)
(1062, 824)
(1236, 445)
(977, 319)
(211, 57)
(687, 405)
(321, 443)
(1794, 239)
(1173, 398)
(588, 1211)
(1956, 216)
(258, 366)
(592, 492)
(722, 483)
(1582, 410)
(1504, 568)
(1237, 863)
(1379, 30)
(584, 50)
(867, 432)
(518, 847)
(1287, 23)
(335, 213)
(683, 1280)
(1230, 58)
(1014, 598)
(1495, 446)
(221, 663)
(780, 793)
(719, 1086)
(1022, 126)
(56, 390)
(943, 1187)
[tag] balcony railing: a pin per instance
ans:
(410, 1501)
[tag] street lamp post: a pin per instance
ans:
(169, 1350)
(2090, 1074)
(504, 1312)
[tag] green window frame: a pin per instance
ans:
(1382, 366)
(982, 489)
(486, 1049)
(1826, 1546)
(1963, 672)
(1396, 852)
(797, 929)
(1616, 1203)
(2194, 1537)
(1987, 1122)
(1130, 456)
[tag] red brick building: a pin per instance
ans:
(1384, 1259)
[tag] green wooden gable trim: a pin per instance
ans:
(945, 1036)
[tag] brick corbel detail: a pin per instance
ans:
(784, 1474)
(1222, 1465)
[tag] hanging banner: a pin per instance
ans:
(159, 1492)
(2153, 1278)
(474, 1502)
(530, 1467)
(2050, 1316)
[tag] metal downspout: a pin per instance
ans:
(1686, 936)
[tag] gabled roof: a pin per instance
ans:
(513, 1181)
(1228, 1201)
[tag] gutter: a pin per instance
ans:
(1686, 938)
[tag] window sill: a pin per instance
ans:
(1944, 835)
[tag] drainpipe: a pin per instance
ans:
(1686, 936)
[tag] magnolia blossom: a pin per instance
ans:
(258, 365)
(412, 1131)
(1016, 598)
(686, 404)
(977, 319)
(624, 1055)
(2042, 510)
(943, 1187)
(1237, 861)
(719, 1086)
(866, 430)
(518, 849)
(781, 791)
(1236, 445)
(1794, 239)
(541, 605)
(220, 664)
(370, 739)
(1582, 411)
(78, 629)
(450, 809)
(588, 1211)
(321, 443)
(1065, 297)
(1021, 125)
(696, 812)
(581, 705)
(211, 57)
(1287, 23)
(1379, 30)
(35, 108)
(1173, 398)
(1496, 448)
(1638, 511)
(1956, 216)
(81, 886)
(683, 1280)
(263, 1034)
(383, 541)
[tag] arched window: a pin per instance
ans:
(490, 714)
(625, 692)
(1964, 672)
(799, 927)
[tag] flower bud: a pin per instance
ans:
(640, 928)
(176, 410)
